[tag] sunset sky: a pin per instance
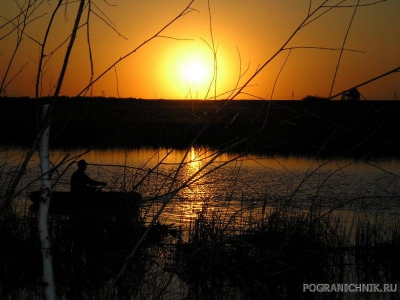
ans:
(180, 64)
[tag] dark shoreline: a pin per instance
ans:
(296, 127)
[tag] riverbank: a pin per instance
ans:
(304, 127)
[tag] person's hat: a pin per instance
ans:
(82, 163)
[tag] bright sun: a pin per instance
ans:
(193, 71)
(194, 68)
(188, 71)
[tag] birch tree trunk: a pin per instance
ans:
(45, 196)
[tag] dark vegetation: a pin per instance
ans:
(335, 127)
(267, 256)
(88, 250)
(272, 257)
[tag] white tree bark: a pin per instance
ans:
(45, 197)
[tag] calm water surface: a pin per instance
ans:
(199, 179)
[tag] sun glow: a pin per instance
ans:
(193, 71)
(188, 71)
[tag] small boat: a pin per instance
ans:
(105, 202)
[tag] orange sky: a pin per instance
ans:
(179, 66)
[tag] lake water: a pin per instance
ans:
(202, 179)
(229, 188)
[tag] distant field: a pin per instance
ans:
(337, 127)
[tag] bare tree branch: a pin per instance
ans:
(43, 45)
(322, 48)
(280, 71)
(356, 5)
(174, 38)
(187, 10)
(108, 24)
(342, 49)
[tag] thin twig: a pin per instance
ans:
(187, 10)
(342, 48)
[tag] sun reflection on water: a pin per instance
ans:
(195, 196)
(237, 187)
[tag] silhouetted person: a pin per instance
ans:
(82, 183)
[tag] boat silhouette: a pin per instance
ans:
(106, 202)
